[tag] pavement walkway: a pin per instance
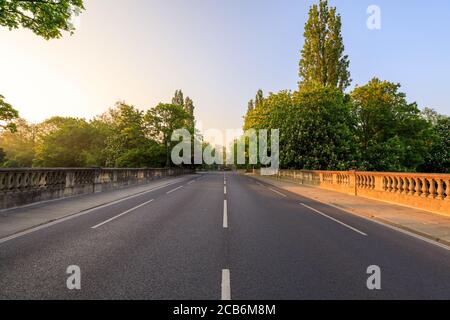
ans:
(16, 220)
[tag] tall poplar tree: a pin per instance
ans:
(323, 62)
(259, 99)
(178, 98)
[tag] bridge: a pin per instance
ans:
(179, 234)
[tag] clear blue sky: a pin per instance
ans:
(218, 52)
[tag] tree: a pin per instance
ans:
(315, 128)
(323, 62)
(432, 116)
(162, 121)
(259, 99)
(250, 106)
(126, 131)
(437, 159)
(2, 156)
(189, 108)
(178, 98)
(7, 115)
(319, 135)
(391, 133)
(19, 146)
(67, 146)
(46, 18)
(152, 155)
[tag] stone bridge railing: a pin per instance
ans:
(24, 186)
(425, 191)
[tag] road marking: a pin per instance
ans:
(381, 223)
(82, 213)
(434, 242)
(225, 190)
(225, 214)
(335, 220)
(122, 214)
(191, 182)
(226, 287)
(276, 191)
(173, 190)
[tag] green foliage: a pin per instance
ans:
(321, 137)
(314, 127)
(162, 121)
(2, 156)
(19, 146)
(189, 108)
(152, 155)
(124, 136)
(178, 98)
(66, 146)
(438, 158)
(125, 131)
(259, 98)
(250, 106)
(7, 115)
(432, 116)
(391, 133)
(373, 128)
(46, 18)
(323, 62)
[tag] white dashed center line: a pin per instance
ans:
(226, 287)
(225, 214)
(176, 189)
(122, 214)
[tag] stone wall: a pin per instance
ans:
(19, 187)
(424, 191)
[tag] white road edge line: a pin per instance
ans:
(122, 214)
(278, 192)
(335, 220)
(173, 190)
(226, 287)
(225, 214)
(387, 225)
(82, 213)
(406, 232)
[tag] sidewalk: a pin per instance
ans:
(20, 219)
(430, 225)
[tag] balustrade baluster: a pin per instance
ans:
(424, 188)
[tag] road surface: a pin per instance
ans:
(221, 236)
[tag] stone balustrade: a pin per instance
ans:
(429, 192)
(24, 186)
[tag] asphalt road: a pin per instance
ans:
(221, 236)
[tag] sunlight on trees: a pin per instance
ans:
(124, 137)
(46, 18)
(371, 128)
